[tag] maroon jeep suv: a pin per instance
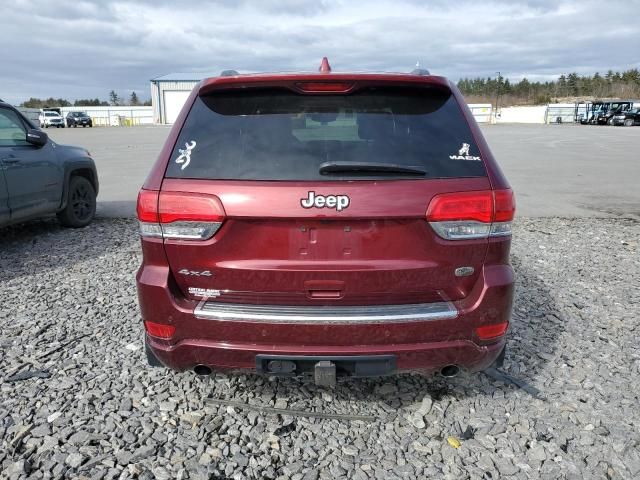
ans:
(326, 224)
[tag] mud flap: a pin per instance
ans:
(152, 360)
(499, 362)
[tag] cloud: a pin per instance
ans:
(86, 48)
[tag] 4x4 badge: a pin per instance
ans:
(339, 202)
(196, 273)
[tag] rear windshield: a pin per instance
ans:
(281, 135)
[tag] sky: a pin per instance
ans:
(85, 48)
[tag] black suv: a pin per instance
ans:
(40, 177)
(628, 118)
(79, 118)
(609, 110)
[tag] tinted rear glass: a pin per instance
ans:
(281, 135)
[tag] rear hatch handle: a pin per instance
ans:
(324, 289)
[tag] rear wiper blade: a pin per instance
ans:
(370, 167)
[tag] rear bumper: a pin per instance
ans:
(445, 336)
(419, 357)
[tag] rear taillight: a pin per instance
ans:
(470, 215)
(159, 330)
(179, 215)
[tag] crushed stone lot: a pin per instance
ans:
(78, 400)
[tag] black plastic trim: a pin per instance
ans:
(357, 366)
(71, 166)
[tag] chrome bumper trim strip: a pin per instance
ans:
(330, 314)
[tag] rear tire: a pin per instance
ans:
(610, 121)
(628, 122)
(81, 204)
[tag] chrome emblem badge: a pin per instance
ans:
(339, 202)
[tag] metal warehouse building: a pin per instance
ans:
(169, 92)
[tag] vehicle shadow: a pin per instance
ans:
(532, 342)
(40, 245)
(116, 209)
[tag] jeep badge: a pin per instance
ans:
(339, 202)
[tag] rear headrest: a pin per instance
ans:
(375, 126)
(264, 129)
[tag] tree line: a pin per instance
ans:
(114, 100)
(587, 87)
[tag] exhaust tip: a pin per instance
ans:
(450, 371)
(202, 370)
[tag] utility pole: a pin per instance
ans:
(497, 96)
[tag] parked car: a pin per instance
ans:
(605, 115)
(39, 177)
(79, 118)
(51, 119)
(628, 118)
(326, 225)
(602, 112)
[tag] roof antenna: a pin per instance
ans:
(418, 70)
(324, 66)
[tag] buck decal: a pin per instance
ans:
(185, 154)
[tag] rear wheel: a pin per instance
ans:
(81, 204)
(610, 121)
(628, 122)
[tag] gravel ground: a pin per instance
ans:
(93, 409)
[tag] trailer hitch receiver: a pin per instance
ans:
(324, 374)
